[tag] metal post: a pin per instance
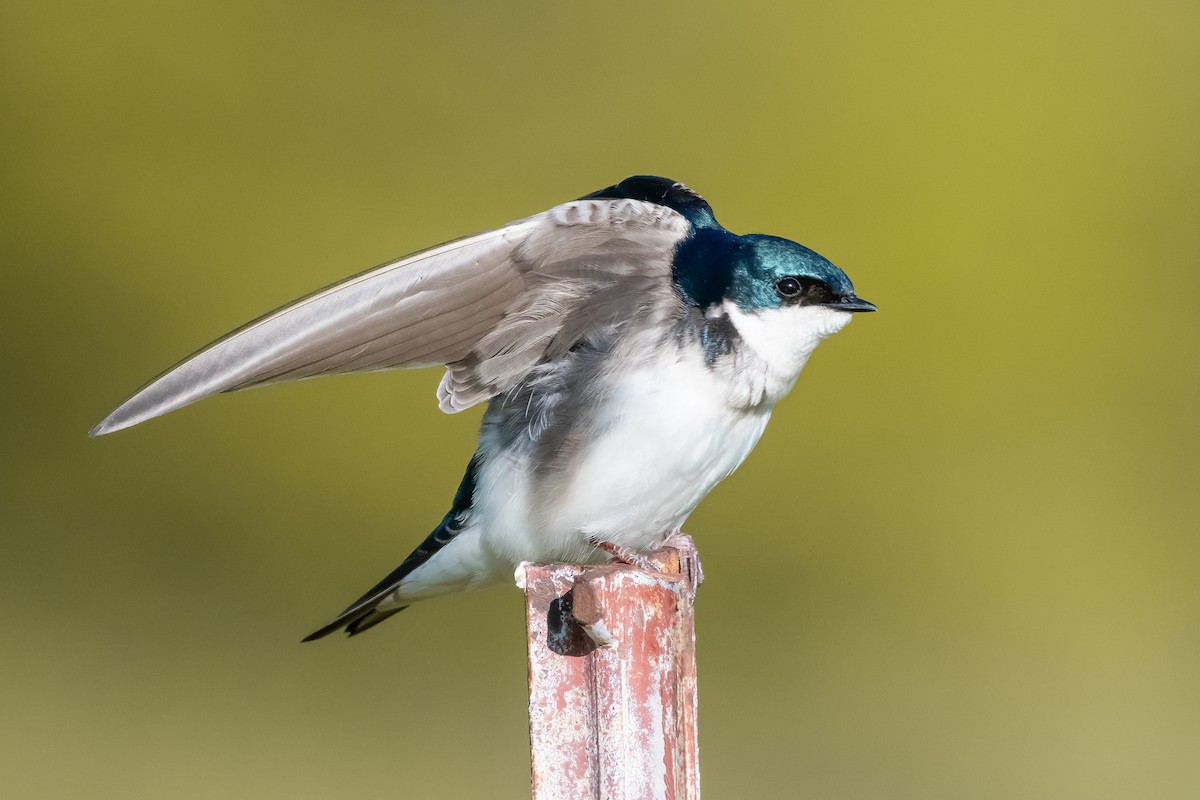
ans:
(612, 678)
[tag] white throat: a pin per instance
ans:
(775, 345)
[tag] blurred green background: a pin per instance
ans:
(962, 563)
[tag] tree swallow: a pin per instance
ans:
(629, 347)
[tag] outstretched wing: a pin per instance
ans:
(489, 306)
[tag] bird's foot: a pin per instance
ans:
(689, 559)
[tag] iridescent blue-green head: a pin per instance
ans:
(774, 295)
(770, 272)
(756, 272)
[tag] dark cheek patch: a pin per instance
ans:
(816, 293)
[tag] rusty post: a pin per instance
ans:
(612, 678)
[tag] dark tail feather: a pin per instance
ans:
(364, 612)
(371, 619)
(354, 621)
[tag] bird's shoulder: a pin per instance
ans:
(662, 192)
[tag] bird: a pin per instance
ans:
(630, 350)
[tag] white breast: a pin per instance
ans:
(670, 437)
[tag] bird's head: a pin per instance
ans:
(784, 297)
(759, 274)
(774, 273)
(780, 297)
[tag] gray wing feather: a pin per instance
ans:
(619, 249)
(487, 306)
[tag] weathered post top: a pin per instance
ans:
(612, 677)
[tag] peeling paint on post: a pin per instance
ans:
(612, 678)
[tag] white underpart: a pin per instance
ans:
(676, 428)
(780, 340)
(671, 437)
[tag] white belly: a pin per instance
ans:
(670, 439)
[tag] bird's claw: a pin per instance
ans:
(689, 557)
(626, 555)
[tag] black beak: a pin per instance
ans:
(851, 303)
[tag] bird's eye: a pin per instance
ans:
(788, 287)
